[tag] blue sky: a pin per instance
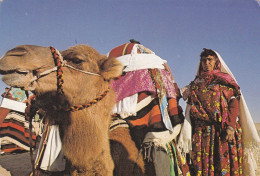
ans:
(176, 30)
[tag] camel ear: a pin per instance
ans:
(110, 68)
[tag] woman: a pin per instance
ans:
(214, 103)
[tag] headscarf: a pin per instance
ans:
(250, 137)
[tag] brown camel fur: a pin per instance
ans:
(84, 133)
(125, 151)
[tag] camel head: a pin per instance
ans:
(22, 64)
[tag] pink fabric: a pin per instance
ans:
(219, 76)
(140, 80)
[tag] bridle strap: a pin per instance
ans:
(58, 62)
(90, 73)
(63, 64)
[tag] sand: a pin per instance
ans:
(17, 164)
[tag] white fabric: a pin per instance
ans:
(141, 61)
(250, 137)
(126, 106)
(144, 60)
(184, 143)
(53, 157)
(159, 155)
(161, 138)
(129, 106)
(13, 105)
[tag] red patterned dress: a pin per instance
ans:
(214, 106)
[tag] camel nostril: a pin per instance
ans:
(36, 73)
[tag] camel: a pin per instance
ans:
(129, 135)
(84, 75)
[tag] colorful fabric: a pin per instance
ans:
(14, 133)
(150, 116)
(20, 95)
(209, 115)
(14, 127)
(139, 81)
(153, 81)
(162, 99)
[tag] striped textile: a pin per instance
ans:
(14, 133)
(3, 114)
(148, 112)
(14, 128)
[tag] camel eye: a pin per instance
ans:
(76, 61)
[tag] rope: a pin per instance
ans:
(58, 62)
(63, 63)
(96, 100)
(90, 73)
(29, 116)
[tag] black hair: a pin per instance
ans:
(134, 41)
(208, 52)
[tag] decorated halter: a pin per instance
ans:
(59, 64)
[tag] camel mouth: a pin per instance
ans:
(17, 78)
(12, 75)
(7, 72)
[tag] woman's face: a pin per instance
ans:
(208, 63)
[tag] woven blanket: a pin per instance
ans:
(148, 112)
(14, 133)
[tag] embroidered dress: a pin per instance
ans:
(212, 154)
